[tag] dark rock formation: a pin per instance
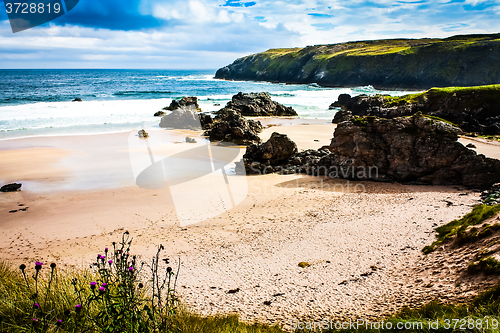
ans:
(464, 60)
(160, 114)
(258, 105)
(183, 103)
(416, 150)
(143, 134)
(77, 100)
(14, 187)
(181, 119)
(264, 157)
(206, 120)
(474, 109)
(230, 126)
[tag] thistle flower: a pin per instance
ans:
(92, 285)
(38, 265)
(22, 267)
(106, 250)
(131, 269)
(169, 269)
(59, 322)
(102, 290)
(104, 285)
(110, 262)
(36, 306)
(52, 265)
(78, 308)
(35, 320)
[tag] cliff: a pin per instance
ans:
(464, 60)
(474, 109)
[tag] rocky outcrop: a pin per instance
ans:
(264, 157)
(14, 187)
(184, 102)
(160, 113)
(258, 105)
(474, 109)
(181, 119)
(230, 126)
(416, 150)
(77, 99)
(464, 60)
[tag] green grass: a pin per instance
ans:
(476, 96)
(459, 227)
(488, 266)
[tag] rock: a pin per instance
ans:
(415, 149)
(470, 145)
(143, 134)
(77, 100)
(233, 291)
(181, 119)
(205, 120)
(14, 187)
(230, 126)
(190, 140)
(258, 105)
(274, 152)
(474, 109)
(160, 114)
(183, 103)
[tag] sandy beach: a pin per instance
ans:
(362, 240)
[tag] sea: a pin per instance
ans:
(40, 102)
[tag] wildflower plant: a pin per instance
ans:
(114, 295)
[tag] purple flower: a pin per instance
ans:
(36, 306)
(131, 269)
(104, 285)
(93, 284)
(110, 262)
(35, 320)
(59, 322)
(106, 250)
(78, 308)
(38, 265)
(102, 290)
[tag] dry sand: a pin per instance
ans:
(362, 242)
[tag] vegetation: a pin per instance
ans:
(481, 315)
(474, 96)
(460, 229)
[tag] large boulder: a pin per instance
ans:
(274, 152)
(230, 126)
(181, 119)
(184, 102)
(258, 105)
(14, 187)
(416, 149)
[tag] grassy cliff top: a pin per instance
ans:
(382, 46)
(476, 95)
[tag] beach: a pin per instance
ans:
(361, 240)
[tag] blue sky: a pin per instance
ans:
(211, 34)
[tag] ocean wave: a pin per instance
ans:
(138, 93)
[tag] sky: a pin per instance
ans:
(209, 34)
